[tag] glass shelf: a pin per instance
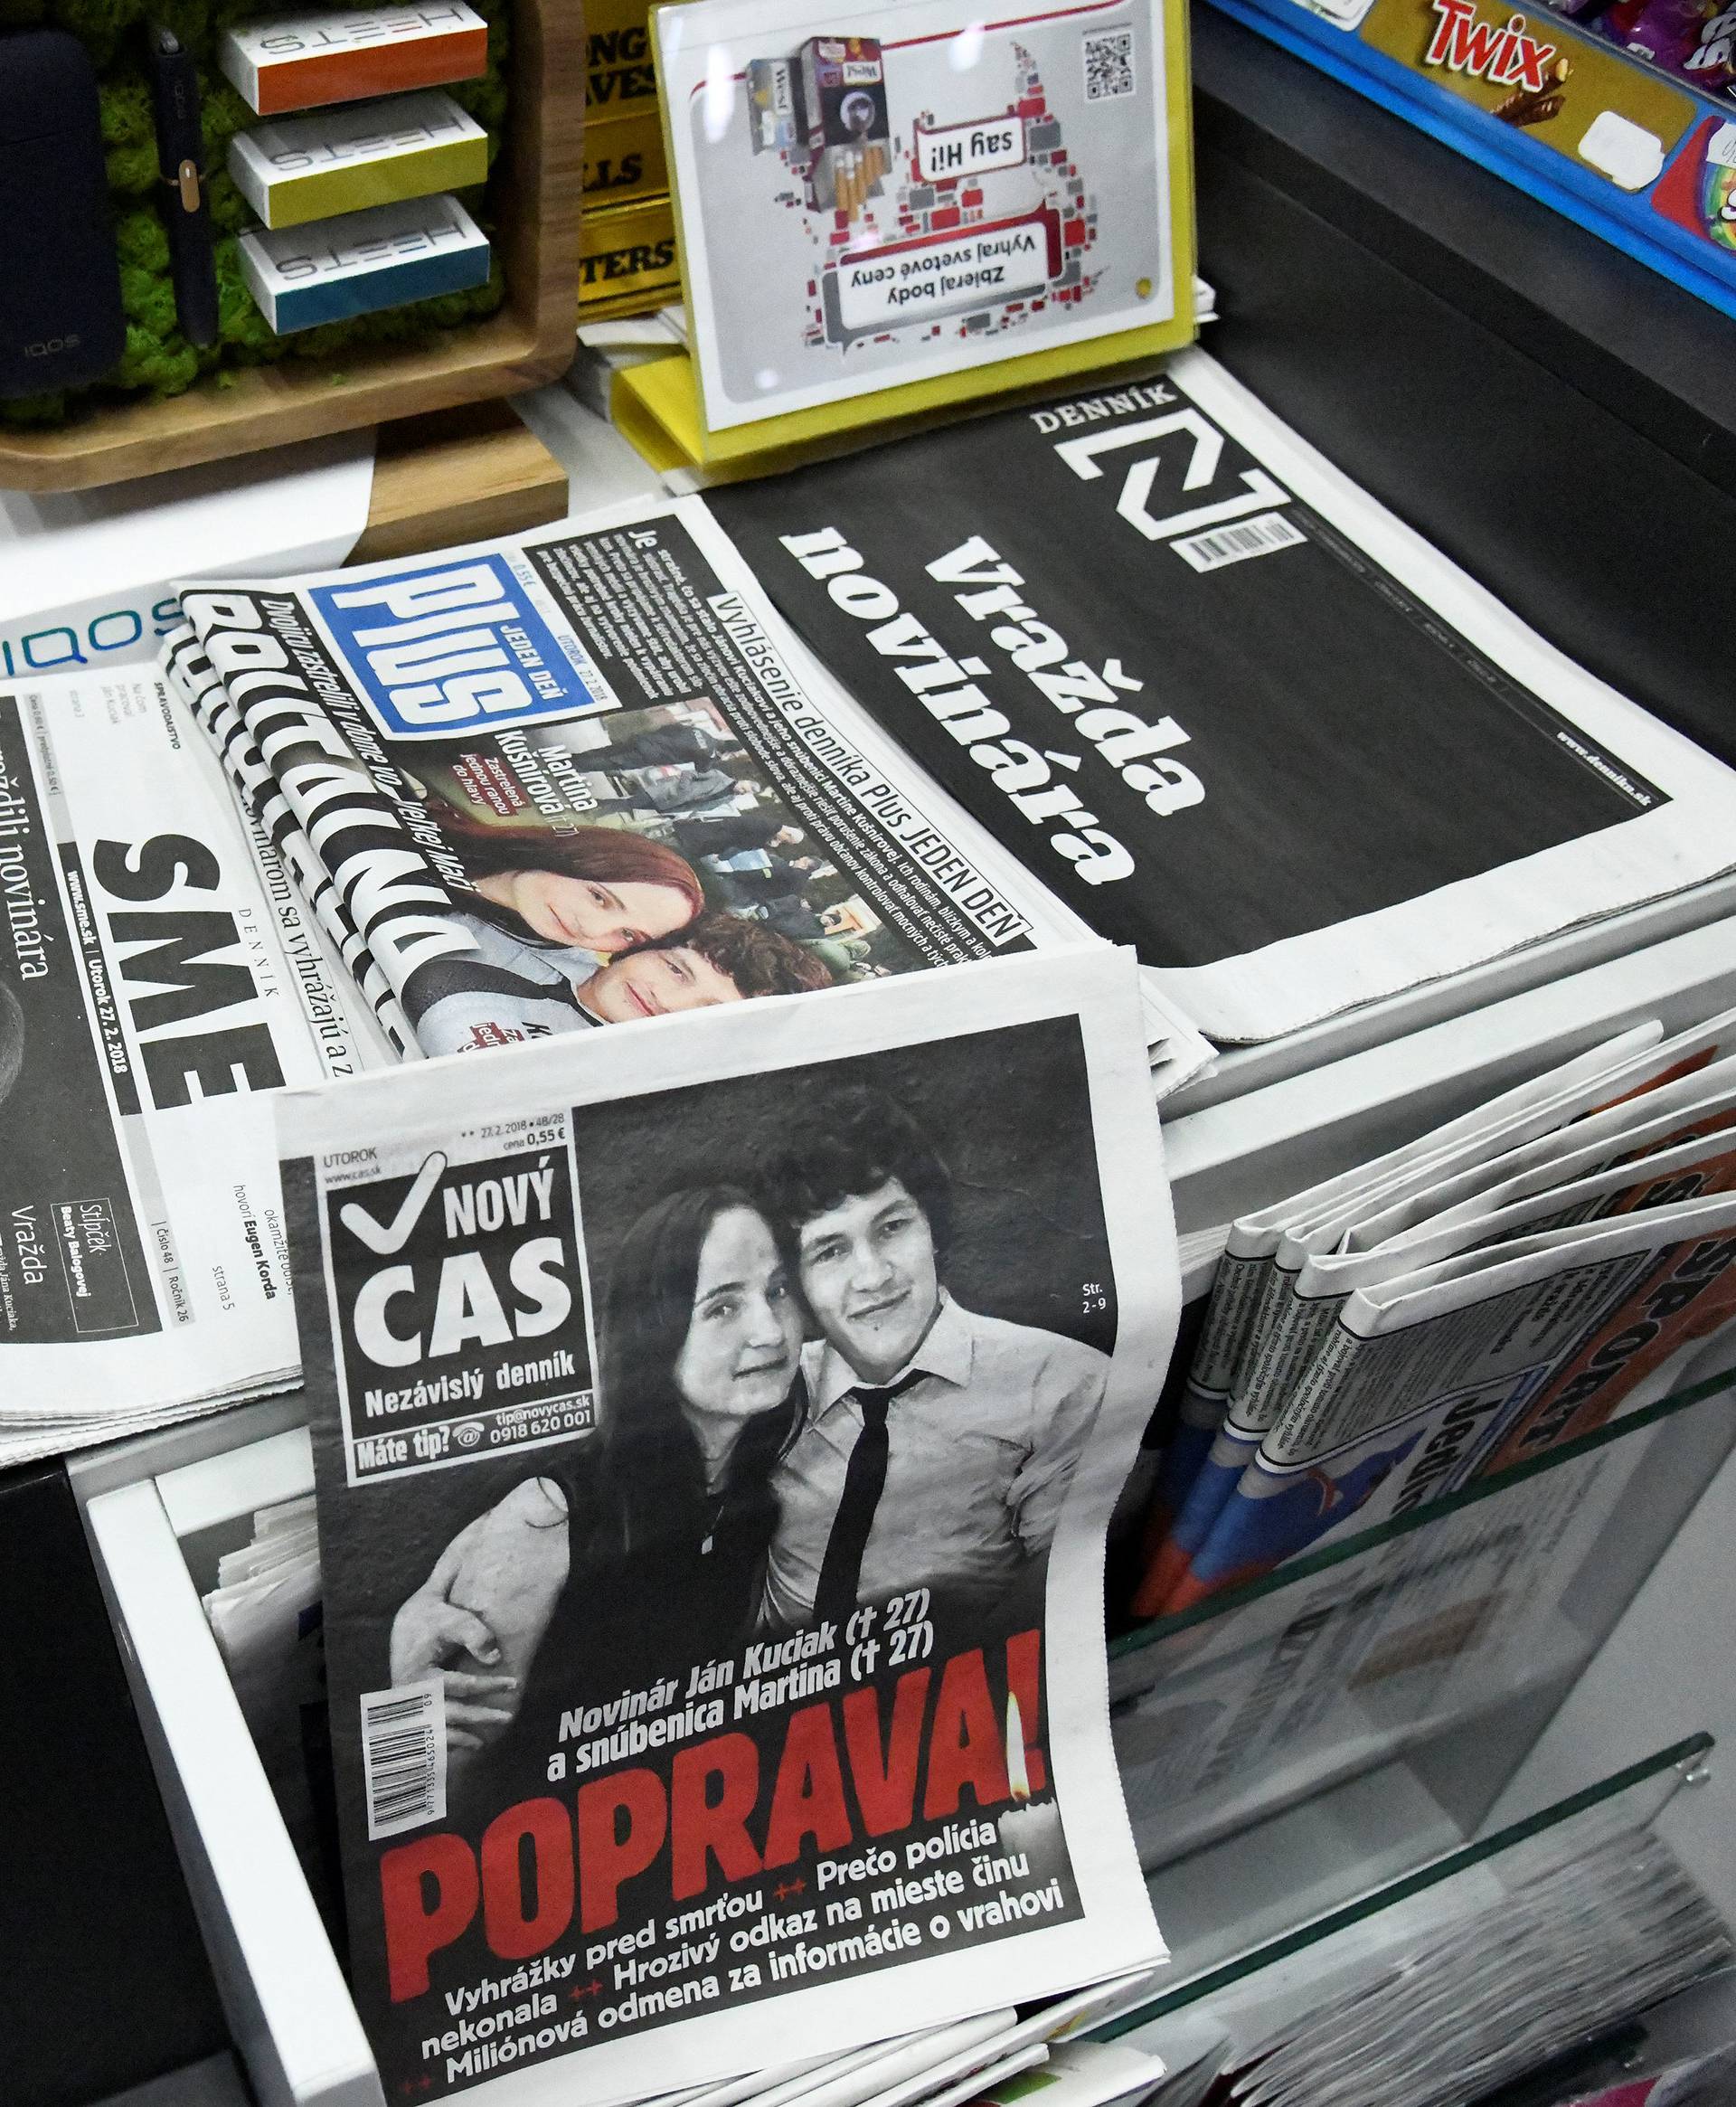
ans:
(1390, 1685)
(1133, 1638)
(1215, 1908)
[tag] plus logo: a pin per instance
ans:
(1506, 56)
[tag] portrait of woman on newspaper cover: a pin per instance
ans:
(593, 926)
(632, 1563)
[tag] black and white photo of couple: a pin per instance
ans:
(682, 878)
(806, 1404)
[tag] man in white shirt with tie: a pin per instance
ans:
(937, 1445)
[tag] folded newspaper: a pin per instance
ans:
(265, 1615)
(1600, 1930)
(160, 971)
(572, 779)
(1468, 1301)
(608, 801)
(1228, 708)
(715, 1429)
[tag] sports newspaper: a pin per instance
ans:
(574, 778)
(155, 977)
(669, 1718)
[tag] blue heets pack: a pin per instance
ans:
(384, 257)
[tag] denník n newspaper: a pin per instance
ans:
(715, 1430)
(1226, 707)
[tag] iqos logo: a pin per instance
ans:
(115, 629)
(50, 346)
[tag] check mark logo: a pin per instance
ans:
(395, 1233)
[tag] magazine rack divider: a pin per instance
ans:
(1128, 1644)
(1316, 1733)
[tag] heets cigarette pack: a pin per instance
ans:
(301, 62)
(384, 257)
(365, 154)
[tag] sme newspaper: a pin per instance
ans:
(160, 972)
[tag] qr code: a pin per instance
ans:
(1109, 65)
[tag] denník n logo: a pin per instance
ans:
(474, 643)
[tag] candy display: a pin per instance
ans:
(1621, 114)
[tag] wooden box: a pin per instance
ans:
(535, 190)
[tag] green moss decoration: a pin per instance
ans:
(158, 362)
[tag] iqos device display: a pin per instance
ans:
(61, 318)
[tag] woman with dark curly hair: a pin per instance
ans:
(638, 1559)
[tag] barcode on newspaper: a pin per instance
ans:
(403, 1756)
(1234, 545)
(1109, 65)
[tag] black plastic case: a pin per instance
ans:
(61, 318)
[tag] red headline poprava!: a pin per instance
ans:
(702, 1814)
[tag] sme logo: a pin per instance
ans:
(457, 646)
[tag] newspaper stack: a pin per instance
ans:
(1232, 711)
(265, 1615)
(1467, 1302)
(1565, 1955)
(575, 779)
(438, 806)
(715, 1434)
(161, 973)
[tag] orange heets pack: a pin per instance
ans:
(308, 59)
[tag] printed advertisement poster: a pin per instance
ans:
(909, 190)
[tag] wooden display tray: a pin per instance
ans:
(536, 194)
(458, 475)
